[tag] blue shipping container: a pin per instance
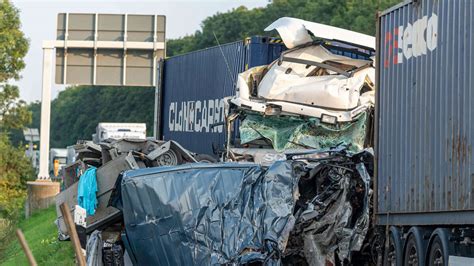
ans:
(195, 84)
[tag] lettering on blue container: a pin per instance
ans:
(196, 116)
(411, 41)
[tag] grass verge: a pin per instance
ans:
(41, 234)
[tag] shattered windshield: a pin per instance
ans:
(293, 132)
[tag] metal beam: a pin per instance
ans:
(154, 54)
(66, 36)
(158, 100)
(96, 38)
(48, 50)
(124, 55)
(313, 63)
(107, 45)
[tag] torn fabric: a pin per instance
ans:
(86, 191)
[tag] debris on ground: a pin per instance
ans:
(111, 158)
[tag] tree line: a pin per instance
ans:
(240, 23)
(77, 110)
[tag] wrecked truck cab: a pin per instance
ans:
(319, 94)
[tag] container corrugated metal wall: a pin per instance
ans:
(195, 84)
(425, 111)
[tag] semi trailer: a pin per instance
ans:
(424, 169)
(193, 86)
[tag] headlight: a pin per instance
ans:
(328, 119)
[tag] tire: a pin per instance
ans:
(413, 255)
(170, 158)
(437, 254)
(205, 158)
(395, 251)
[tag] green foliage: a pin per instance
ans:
(14, 113)
(13, 47)
(41, 234)
(239, 23)
(76, 111)
(14, 165)
(16, 134)
(13, 44)
(15, 170)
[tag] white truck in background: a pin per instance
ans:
(119, 131)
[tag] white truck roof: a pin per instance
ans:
(57, 152)
(119, 131)
(118, 126)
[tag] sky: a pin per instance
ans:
(38, 18)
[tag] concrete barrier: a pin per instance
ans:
(41, 195)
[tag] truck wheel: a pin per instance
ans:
(437, 255)
(440, 247)
(412, 253)
(415, 246)
(204, 158)
(395, 250)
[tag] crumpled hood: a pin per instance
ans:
(294, 32)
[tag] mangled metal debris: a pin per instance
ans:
(332, 214)
(206, 214)
(112, 158)
(316, 79)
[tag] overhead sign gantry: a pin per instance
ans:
(99, 49)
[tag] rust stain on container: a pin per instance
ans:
(460, 148)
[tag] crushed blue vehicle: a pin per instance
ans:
(294, 211)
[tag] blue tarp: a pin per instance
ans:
(208, 214)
